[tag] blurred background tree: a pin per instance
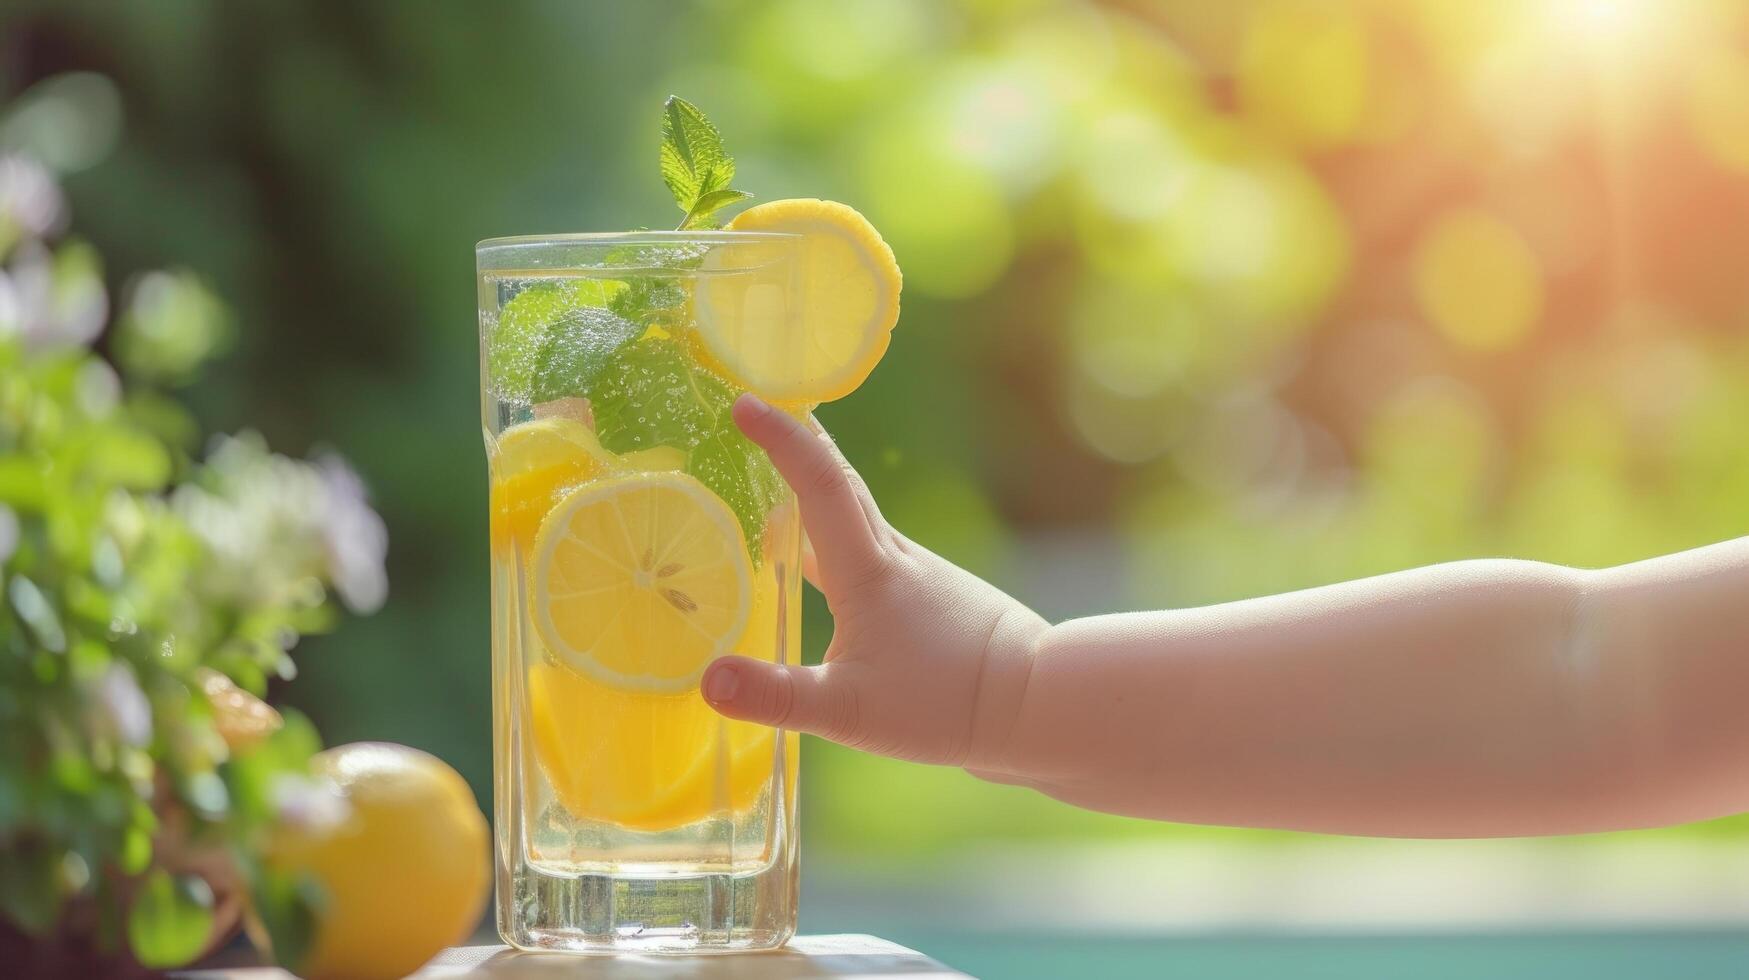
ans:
(1202, 300)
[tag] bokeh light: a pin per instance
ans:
(1215, 299)
(1717, 108)
(1304, 71)
(1477, 280)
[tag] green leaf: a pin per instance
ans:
(38, 613)
(172, 325)
(250, 775)
(647, 299)
(701, 215)
(23, 482)
(164, 418)
(206, 794)
(656, 296)
(136, 851)
(739, 473)
(171, 919)
(695, 166)
(553, 338)
(287, 904)
(125, 457)
(653, 394)
(692, 158)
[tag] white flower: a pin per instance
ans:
(358, 541)
(311, 805)
(276, 527)
(30, 200)
(54, 299)
(127, 712)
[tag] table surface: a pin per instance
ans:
(805, 956)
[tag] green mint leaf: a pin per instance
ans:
(650, 394)
(694, 164)
(553, 338)
(648, 299)
(740, 474)
(653, 394)
(708, 205)
(692, 158)
(656, 297)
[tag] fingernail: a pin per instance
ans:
(720, 683)
(754, 405)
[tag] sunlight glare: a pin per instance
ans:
(1612, 18)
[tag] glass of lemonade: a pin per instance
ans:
(636, 535)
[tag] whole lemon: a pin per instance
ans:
(404, 875)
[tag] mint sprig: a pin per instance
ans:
(695, 166)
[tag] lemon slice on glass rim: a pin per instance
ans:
(812, 340)
(640, 581)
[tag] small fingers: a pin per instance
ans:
(788, 696)
(839, 520)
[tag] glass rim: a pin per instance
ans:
(510, 242)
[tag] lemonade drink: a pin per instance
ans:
(635, 536)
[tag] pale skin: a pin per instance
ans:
(1475, 699)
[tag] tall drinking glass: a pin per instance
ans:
(636, 535)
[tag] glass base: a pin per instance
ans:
(667, 913)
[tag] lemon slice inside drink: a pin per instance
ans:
(653, 762)
(625, 757)
(813, 341)
(640, 581)
(643, 761)
(533, 464)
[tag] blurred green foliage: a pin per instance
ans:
(1202, 300)
(136, 578)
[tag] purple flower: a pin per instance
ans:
(358, 541)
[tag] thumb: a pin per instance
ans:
(790, 696)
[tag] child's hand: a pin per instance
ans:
(927, 662)
(1472, 699)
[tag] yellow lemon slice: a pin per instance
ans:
(731, 769)
(639, 581)
(533, 465)
(813, 338)
(652, 761)
(624, 757)
(643, 761)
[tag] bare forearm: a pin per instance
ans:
(1481, 698)
(1474, 699)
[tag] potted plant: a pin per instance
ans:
(150, 589)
